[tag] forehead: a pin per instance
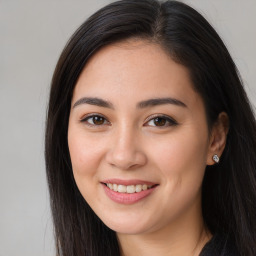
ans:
(134, 70)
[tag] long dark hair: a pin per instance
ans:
(229, 188)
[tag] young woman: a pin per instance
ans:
(150, 139)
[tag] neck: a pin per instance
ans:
(186, 237)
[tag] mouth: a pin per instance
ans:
(128, 192)
(130, 189)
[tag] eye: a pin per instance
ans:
(161, 121)
(95, 120)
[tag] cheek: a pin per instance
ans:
(182, 160)
(86, 157)
(85, 153)
(182, 154)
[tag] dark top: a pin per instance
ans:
(219, 246)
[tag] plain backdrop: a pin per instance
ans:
(32, 35)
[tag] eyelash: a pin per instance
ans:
(91, 116)
(166, 119)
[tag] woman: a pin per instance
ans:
(150, 139)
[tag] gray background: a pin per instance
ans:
(32, 35)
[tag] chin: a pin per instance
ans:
(129, 226)
(127, 229)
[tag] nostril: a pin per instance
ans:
(126, 160)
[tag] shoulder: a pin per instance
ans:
(219, 245)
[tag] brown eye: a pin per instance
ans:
(95, 120)
(159, 121)
(98, 120)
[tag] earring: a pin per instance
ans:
(215, 158)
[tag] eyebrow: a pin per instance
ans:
(160, 101)
(143, 104)
(94, 101)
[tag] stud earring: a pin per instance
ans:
(215, 158)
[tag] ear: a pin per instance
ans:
(218, 137)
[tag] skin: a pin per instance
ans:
(128, 143)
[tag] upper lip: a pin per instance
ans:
(128, 182)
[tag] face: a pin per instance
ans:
(138, 138)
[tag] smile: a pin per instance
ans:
(128, 189)
(128, 192)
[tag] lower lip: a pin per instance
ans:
(127, 198)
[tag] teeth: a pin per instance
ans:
(121, 189)
(138, 188)
(128, 189)
(114, 187)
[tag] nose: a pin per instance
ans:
(126, 151)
